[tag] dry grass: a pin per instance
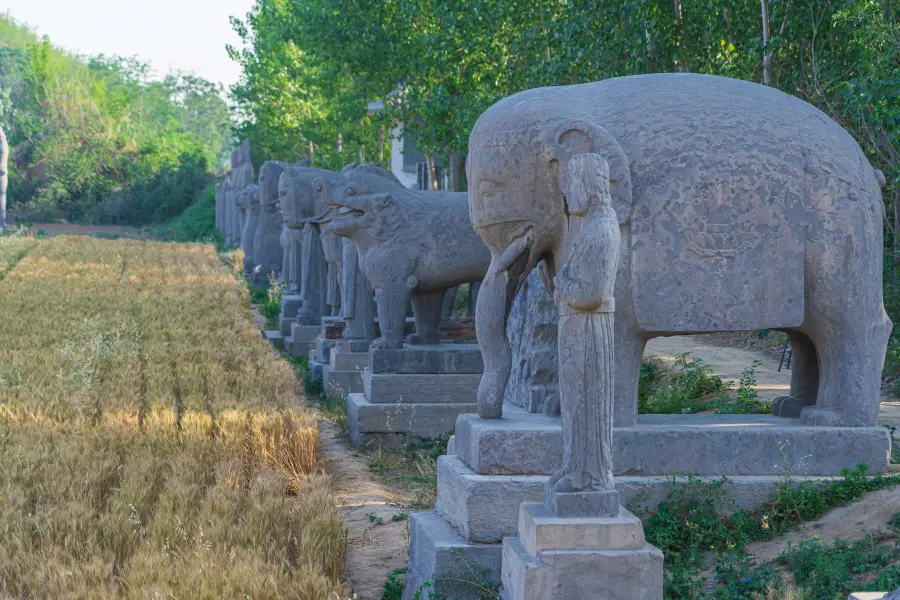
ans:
(13, 248)
(151, 442)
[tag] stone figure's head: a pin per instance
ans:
(296, 193)
(268, 185)
(361, 201)
(521, 152)
(247, 200)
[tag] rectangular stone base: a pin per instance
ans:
(284, 325)
(302, 339)
(707, 444)
(340, 384)
(341, 359)
(275, 338)
(445, 358)
(315, 371)
(434, 388)
(323, 349)
(484, 508)
(440, 561)
(594, 574)
(290, 305)
(390, 425)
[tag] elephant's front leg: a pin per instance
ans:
(427, 309)
(391, 303)
(804, 378)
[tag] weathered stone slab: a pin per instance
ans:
(444, 358)
(275, 338)
(315, 370)
(434, 388)
(560, 575)
(290, 304)
(484, 508)
(348, 361)
(305, 333)
(323, 349)
(665, 444)
(389, 425)
(868, 596)
(340, 384)
(541, 530)
(437, 552)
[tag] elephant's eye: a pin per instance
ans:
(351, 192)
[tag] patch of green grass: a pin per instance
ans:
(692, 525)
(411, 470)
(746, 400)
(683, 391)
(373, 518)
(895, 443)
(400, 517)
(196, 224)
(393, 586)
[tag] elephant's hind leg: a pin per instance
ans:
(804, 377)
(427, 311)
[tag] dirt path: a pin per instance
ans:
(729, 362)
(377, 545)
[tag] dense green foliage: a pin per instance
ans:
(99, 139)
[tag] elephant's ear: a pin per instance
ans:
(573, 136)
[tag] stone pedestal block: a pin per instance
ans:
(315, 370)
(284, 325)
(484, 508)
(528, 444)
(323, 348)
(436, 388)
(440, 560)
(342, 359)
(275, 338)
(302, 339)
(603, 558)
(390, 425)
(444, 358)
(290, 305)
(340, 384)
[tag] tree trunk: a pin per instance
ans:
(381, 147)
(679, 18)
(767, 55)
(432, 171)
(312, 152)
(340, 143)
(454, 171)
(4, 175)
(362, 154)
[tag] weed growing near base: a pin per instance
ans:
(151, 442)
(691, 526)
(411, 470)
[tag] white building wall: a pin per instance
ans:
(407, 179)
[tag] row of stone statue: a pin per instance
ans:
(335, 238)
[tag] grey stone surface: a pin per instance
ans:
(323, 349)
(247, 201)
(443, 358)
(540, 530)
(389, 425)
(267, 251)
(275, 338)
(301, 340)
(710, 444)
(566, 575)
(531, 331)
(435, 388)
(333, 250)
(413, 245)
(315, 370)
(290, 304)
(343, 360)
(242, 175)
(440, 556)
(484, 508)
(358, 301)
(340, 384)
(740, 207)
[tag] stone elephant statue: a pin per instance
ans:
(740, 208)
(413, 245)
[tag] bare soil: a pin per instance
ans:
(376, 544)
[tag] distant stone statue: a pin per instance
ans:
(584, 292)
(357, 298)
(267, 240)
(248, 201)
(333, 249)
(413, 246)
(229, 199)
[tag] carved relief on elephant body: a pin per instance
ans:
(740, 208)
(413, 246)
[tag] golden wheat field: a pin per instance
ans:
(152, 444)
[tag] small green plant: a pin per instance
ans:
(373, 518)
(894, 521)
(895, 443)
(393, 586)
(747, 399)
(684, 391)
(472, 582)
(400, 517)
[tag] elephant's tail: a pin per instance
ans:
(879, 177)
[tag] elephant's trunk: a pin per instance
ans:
(495, 298)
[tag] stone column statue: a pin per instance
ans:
(332, 247)
(584, 294)
(357, 297)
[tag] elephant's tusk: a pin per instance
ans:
(515, 250)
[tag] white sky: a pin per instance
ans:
(185, 35)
